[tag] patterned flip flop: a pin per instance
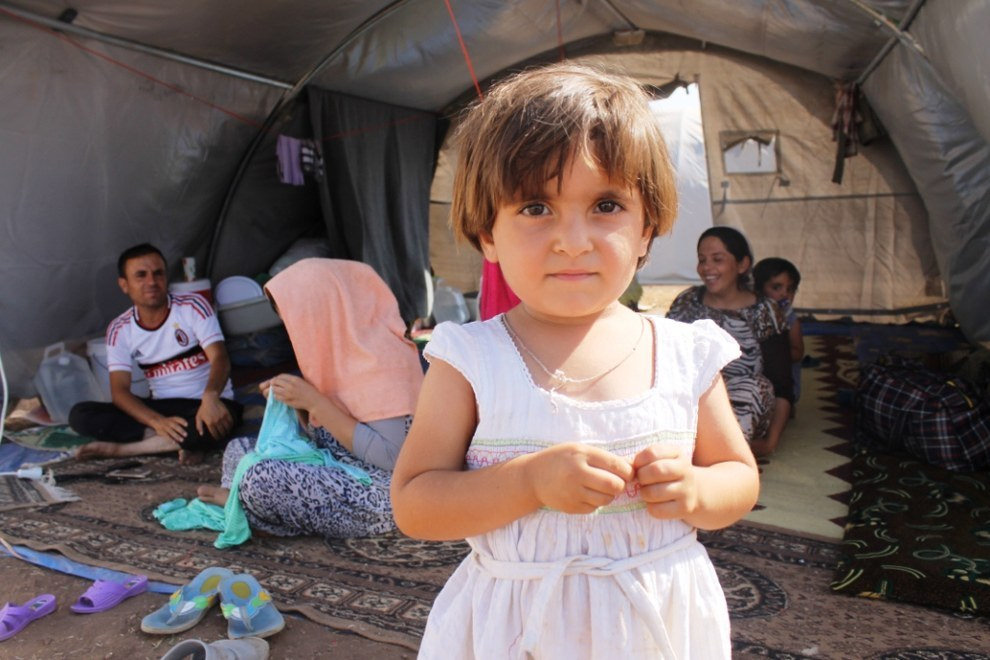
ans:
(187, 606)
(248, 608)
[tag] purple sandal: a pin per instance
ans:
(104, 594)
(13, 618)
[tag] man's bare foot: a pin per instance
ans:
(91, 450)
(155, 444)
(187, 457)
(213, 494)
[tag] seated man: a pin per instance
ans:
(177, 342)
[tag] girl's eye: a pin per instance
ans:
(608, 206)
(534, 209)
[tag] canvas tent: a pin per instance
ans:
(125, 121)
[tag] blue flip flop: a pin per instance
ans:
(248, 608)
(187, 606)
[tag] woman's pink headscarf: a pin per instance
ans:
(348, 337)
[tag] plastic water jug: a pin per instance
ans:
(449, 304)
(96, 349)
(63, 380)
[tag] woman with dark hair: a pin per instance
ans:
(759, 382)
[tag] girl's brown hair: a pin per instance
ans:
(528, 128)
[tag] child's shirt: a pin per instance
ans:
(535, 585)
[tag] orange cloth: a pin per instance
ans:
(349, 340)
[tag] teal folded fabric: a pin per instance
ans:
(179, 515)
(279, 438)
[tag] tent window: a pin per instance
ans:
(749, 152)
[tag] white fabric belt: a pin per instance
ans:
(550, 573)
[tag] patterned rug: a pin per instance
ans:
(777, 587)
(777, 584)
(917, 533)
(804, 485)
(16, 493)
(381, 588)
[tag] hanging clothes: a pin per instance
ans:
(287, 150)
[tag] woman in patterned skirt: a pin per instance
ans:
(727, 298)
(360, 381)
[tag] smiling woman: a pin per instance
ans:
(726, 297)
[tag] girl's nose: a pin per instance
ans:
(573, 234)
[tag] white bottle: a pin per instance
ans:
(63, 380)
(449, 304)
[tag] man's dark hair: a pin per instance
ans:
(137, 251)
(772, 267)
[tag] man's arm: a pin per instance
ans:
(212, 414)
(173, 428)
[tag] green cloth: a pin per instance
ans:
(179, 515)
(279, 438)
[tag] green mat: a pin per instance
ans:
(918, 534)
(49, 438)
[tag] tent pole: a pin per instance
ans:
(904, 24)
(900, 34)
(61, 26)
(273, 116)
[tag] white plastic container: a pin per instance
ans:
(449, 304)
(63, 380)
(246, 316)
(235, 289)
(96, 350)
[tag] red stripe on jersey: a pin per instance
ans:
(117, 325)
(197, 302)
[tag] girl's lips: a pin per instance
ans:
(571, 275)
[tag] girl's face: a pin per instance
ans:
(717, 267)
(780, 287)
(570, 254)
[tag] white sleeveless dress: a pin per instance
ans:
(617, 583)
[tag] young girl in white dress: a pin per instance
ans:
(574, 443)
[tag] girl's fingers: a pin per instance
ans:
(607, 484)
(654, 453)
(613, 464)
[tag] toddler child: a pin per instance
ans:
(574, 443)
(778, 280)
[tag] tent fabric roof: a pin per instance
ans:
(392, 51)
(143, 114)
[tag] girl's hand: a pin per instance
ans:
(291, 390)
(576, 478)
(666, 482)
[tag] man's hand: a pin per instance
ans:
(213, 416)
(173, 428)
